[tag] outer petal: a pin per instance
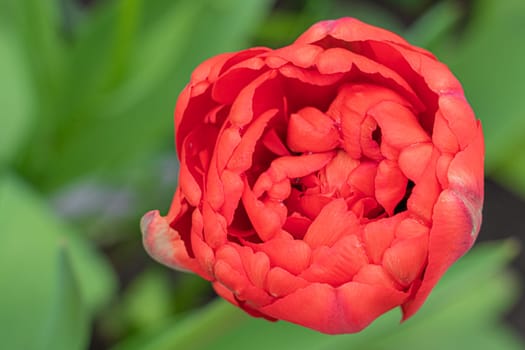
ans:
(165, 244)
(347, 29)
(455, 227)
(346, 309)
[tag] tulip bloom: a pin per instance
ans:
(326, 182)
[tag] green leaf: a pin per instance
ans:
(31, 301)
(434, 24)
(133, 116)
(67, 327)
(16, 96)
(468, 301)
(488, 60)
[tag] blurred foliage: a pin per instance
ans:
(87, 94)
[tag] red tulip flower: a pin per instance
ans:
(326, 182)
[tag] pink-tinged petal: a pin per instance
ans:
(443, 137)
(378, 236)
(241, 157)
(202, 251)
(302, 56)
(280, 282)
(262, 94)
(292, 255)
(410, 228)
(346, 309)
(333, 221)
(454, 229)
(266, 220)
(465, 173)
(375, 275)
(215, 233)
(339, 264)
(347, 29)
(399, 127)
(310, 130)
(460, 117)
(390, 185)
(362, 178)
(405, 260)
(334, 175)
(229, 84)
(165, 244)
(414, 159)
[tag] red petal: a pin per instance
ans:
(452, 234)
(375, 275)
(378, 236)
(405, 260)
(228, 85)
(302, 56)
(280, 282)
(443, 137)
(215, 225)
(292, 255)
(465, 172)
(165, 244)
(333, 221)
(266, 220)
(460, 117)
(426, 190)
(261, 95)
(339, 264)
(362, 178)
(310, 130)
(390, 185)
(346, 309)
(410, 228)
(347, 29)
(241, 156)
(399, 127)
(335, 174)
(414, 159)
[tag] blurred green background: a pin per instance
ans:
(87, 91)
